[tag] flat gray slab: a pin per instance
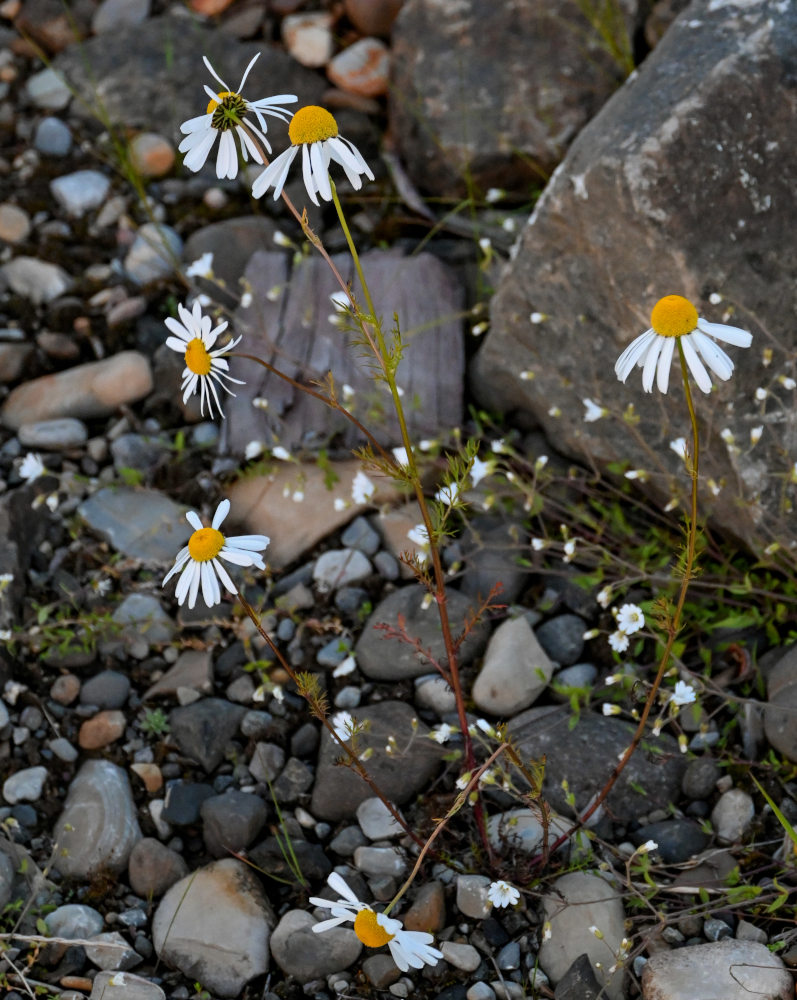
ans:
(142, 524)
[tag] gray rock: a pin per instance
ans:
(731, 970)
(732, 815)
(154, 253)
(515, 672)
(380, 970)
(106, 985)
(231, 822)
(338, 791)
(782, 702)
(193, 670)
(108, 689)
(232, 243)
(700, 778)
(622, 186)
(25, 785)
(579, 982)
(379, 861)
(203, 730)
(301, 953)
(575, 903)
(461, 956)
(532, 81)
(98, 827)
(53, 435)
(472, 898)
(112, 15)
(214, 926)
(7, 873)
(562, 638)
(347, 841)
(376, 821)
(580, 675)
(52, 137)
(585, 754)
(142, 524)
(153, 868)
(81, 191)
(360, 535)
(267, 761)
(480, 991)
(490, 554)
(110, 951)
(677, 839)
(134, 451)
(74, 920)
(35, 279)
(184, 801)
(383, 658)
(47, 90)
(522, 830)
(295, 780)
(435, 694)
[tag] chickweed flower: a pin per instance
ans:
(314, 131)
(226, 116)
(204, 368)
(443, 733)
(675, 318)
(684, 694)
(362, 489)
(409, 949)
(501, 893)
(618, 640)
(630, 618)
(31, 467)
(198, 562)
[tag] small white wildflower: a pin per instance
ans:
(282, 240)
(569, 550)
(5, 579)
(281, 453)
(594, 411)
(51, 502)
(487, 728)
(348, 392)
(485, 245)
(443, 733)
(499, 446)
(119, 978)
(604, 597)
(787, 382)
(537, 317)
(527, 375)
(362, 489)
(31, 467)
(501, 893)
(340, 301)
(538, 544)
(275, 292)
(400, 455)
(727, 435)
(448, 494)
(630, 618)
(613, 679)
(340, 504)
(345, 667)
(618, 641)
(555, 411)
(418, 535)
(639, 474)
(260, 403)
(540, 463)
(755, 434)
(297, 496)
(591, 633)
(760, 394)
(678, 445)
(493, 195)
(426, 602)
(252, 450)
(609, 709)
(715, 298)
(509, 225)
(5, 635)
(479, 328)
(671, 505)
(343, 723)
(463, 780)
(479, 470)
(202, 267)
(546, 931)
(647, 847)
(246, 300)
(684, 694)
(714, 486)
(597, 932)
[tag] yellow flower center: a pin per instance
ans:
(228, 109)
(369, 931)
(197, 357)
(673, 316)
(311, 124)
(205, 544)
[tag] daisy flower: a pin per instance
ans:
(409, 949)
(501, 893)
(630, 618)
(675, 318)
(194, 338)
(315, 130)
(225, 116)
(198, 562)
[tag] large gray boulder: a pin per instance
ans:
(495, 92)
(683, 183)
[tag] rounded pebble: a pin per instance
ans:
(52, 137)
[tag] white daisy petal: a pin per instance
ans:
(635, 350)
(696, 366)
(651, 358)
(714, 356)
(665, 363)
(222, 511)
(727, 334)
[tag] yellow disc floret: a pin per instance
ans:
(205, 544)
(212, 105)
(311, 124)
(369, 931)
(197, 357)
(673, 316)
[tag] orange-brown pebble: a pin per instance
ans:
(76, 983)
(150, 774)
(101, 730)
(362, 68)
(65, 689)
(151, 155)
(209, 7)
(428, 912)
(373, 17)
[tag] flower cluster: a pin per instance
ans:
(630, 619)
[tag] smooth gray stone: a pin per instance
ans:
(106, 985)
(154, 253)
(53, 435)
(98, 827)
(80, 192)
(52, 137)
(203, 730)
(301, 953)
(727, 970)
(142, 524)
(75, 920)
